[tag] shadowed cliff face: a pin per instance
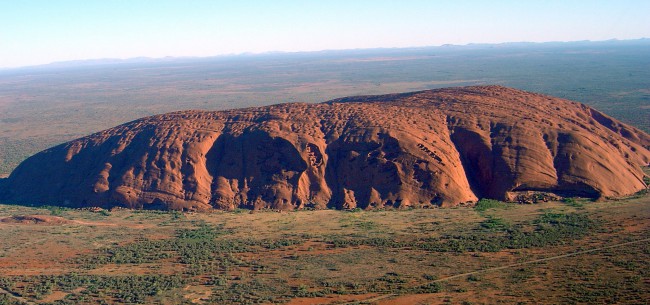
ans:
(255, 170)
(431, 148)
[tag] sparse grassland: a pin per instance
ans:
(555, 252)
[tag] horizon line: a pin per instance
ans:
(117, 60)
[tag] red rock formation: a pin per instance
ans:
(438, 147)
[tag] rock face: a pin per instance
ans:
(430, 148)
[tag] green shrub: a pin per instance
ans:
(494, 224)
(485, 204)
(54, 211)
(572, 202)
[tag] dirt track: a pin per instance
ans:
(387, 296)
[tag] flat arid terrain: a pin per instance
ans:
(569, 252)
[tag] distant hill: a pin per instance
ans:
(440, 147)
(347, 52)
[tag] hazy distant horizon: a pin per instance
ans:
(139, 59)
(36, 32)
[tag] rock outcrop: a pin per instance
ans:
(430, 148)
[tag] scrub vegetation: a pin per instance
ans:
(552, 252)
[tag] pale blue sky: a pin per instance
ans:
(37, 32)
